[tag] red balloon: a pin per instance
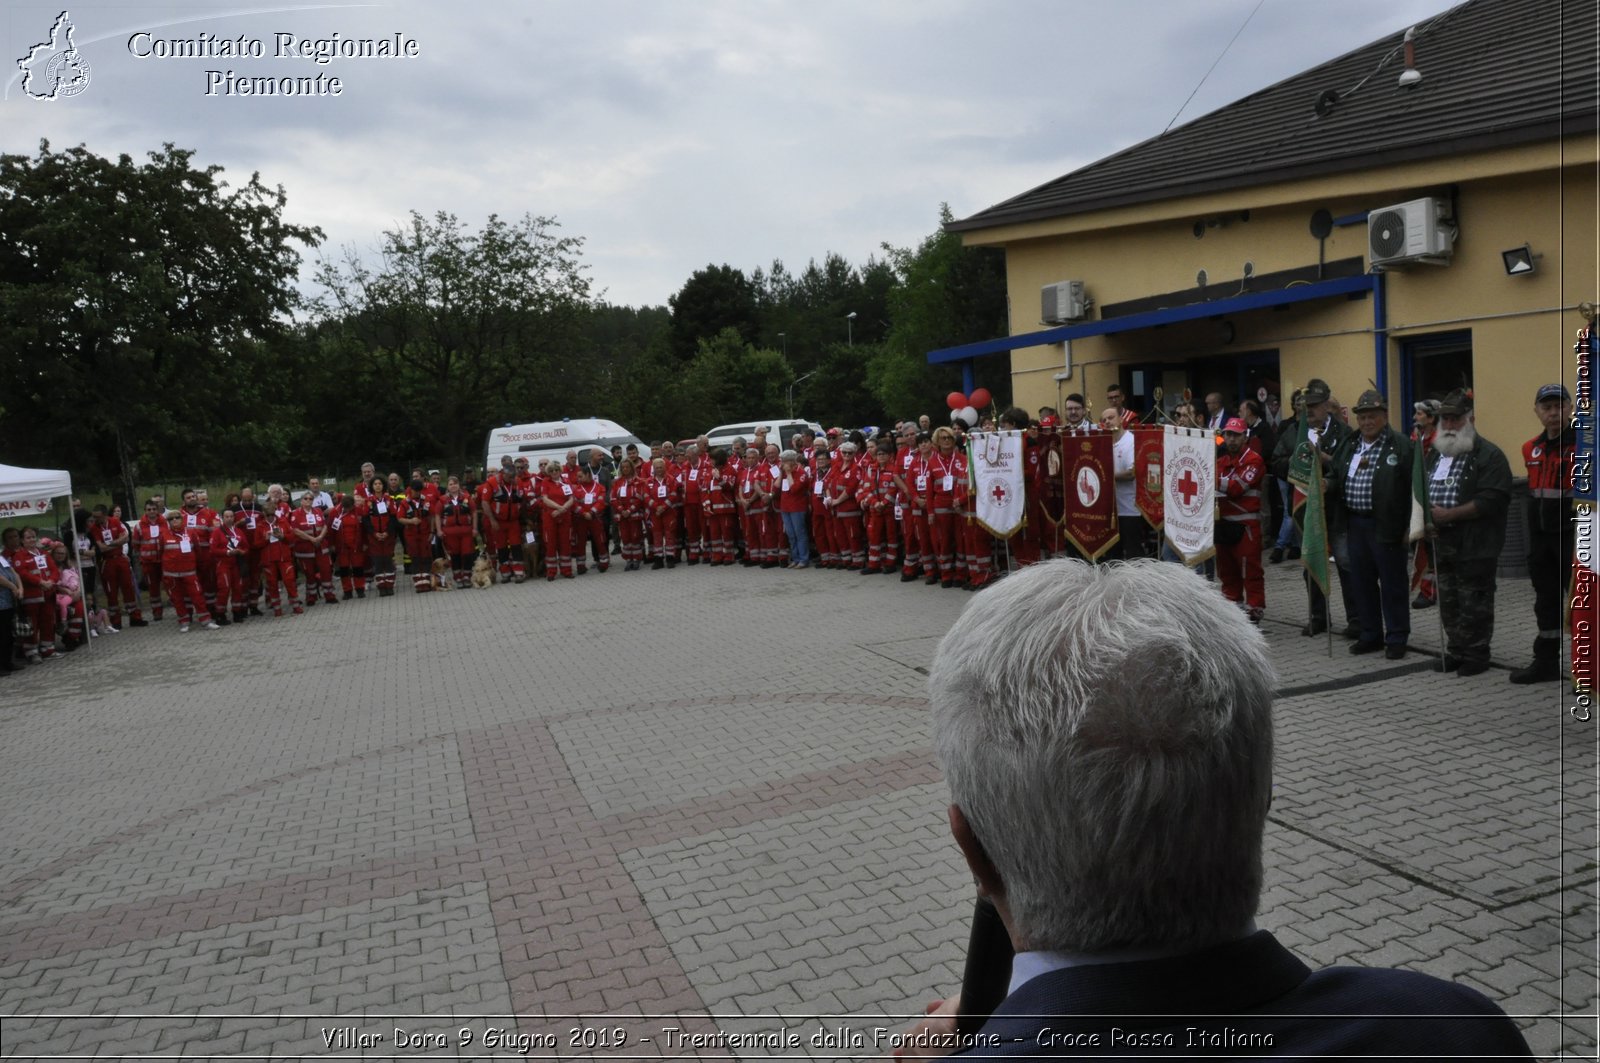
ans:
(955, 400)
(981, 398)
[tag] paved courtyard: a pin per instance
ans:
(699, 801)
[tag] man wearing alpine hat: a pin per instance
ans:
(1370, 477)
(1469, 490)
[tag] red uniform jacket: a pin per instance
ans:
(178, 552)
(35, 568)
(625, 501)
(1239, 480)
(306, 522)
(147, 534)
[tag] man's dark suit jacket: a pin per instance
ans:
(1249, 987)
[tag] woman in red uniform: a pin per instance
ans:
(452, 523)
(381, 530)
(110, 537)
(628, 511)
(228, 545)
(661, 494)
(39, 577)
(589, 522)
(946, 490)
(347, 532)
(308, 529)
(277, 560)
(557, 499)
(415, 511)
(179, 567)
(718, 491)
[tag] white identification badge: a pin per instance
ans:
(189, 520)
(566, 490)
(527, 537)
(40, 561)
(313, 518)
(694, 474)
(747, 487)
(622, 492)
(899, 513)
(948, 483)
(588, 498)
(250, 522)
(1355, 463)
(816, 488)
(105, 536)
(185, 545)
(1441, 471)
(336, 522)
(383, 507)
(661, 492)
(788, 484)
(922, 482)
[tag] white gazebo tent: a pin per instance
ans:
(32, 493)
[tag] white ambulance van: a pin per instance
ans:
(553, 439)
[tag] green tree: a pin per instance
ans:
(711, 300)
(947, 295)
(139, 308)
(460, 330)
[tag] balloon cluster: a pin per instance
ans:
(964, 408)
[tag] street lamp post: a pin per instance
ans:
(850, 327)
(792, 383)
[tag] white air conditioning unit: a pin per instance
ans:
(1416, 231)
(1063, 302)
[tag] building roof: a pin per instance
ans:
(1495, 73)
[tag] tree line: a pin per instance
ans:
(156, 325)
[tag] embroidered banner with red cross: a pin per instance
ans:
(1149, 453)
(998, 475)
(1189, 477)
(1090, 517)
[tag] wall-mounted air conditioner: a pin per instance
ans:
(1415, 231)
(1063, 302)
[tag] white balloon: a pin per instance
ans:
(968, 414)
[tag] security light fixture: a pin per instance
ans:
(1518, 261)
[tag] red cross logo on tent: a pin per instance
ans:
(999, 494)
(1188, 487)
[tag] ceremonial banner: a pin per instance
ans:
(1089, 517)
(1051, 501)
(1189, 488)
(996, 461)
(1149, 452)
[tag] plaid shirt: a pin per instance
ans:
(1443, 492)
(1358, 484)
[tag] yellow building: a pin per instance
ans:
(1369, 222)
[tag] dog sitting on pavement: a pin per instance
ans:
(441, 577)
(483, 572)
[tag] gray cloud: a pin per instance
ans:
(670, 136)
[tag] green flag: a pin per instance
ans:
(1314, 522)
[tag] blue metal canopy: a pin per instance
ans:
(1237, 304)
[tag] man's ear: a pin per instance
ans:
(982, 868)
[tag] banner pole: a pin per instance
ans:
(1433, 566)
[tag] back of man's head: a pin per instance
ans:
(1106, 731)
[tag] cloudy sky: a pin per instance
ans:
(674, 135)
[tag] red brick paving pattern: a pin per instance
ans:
(574, 933)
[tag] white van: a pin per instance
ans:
(553, 439)
(779, 432)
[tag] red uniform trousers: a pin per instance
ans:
(117, 577)
(557, 543)
(381, 550)
(914, 541)
(942, 538)
(880, 524)
(278, 566)
(229, 587)
(750, 526)
(504, 540)
(772, 536)
(664, 531)
(631, 531)
(419, 550)
(150, 567)
(318, 573)
(188, 600)
(1239, 567)
(353, 562)
(849, 536)
(719, 534)
(694, 529)
(587, 529)
(822, 534)
(42, 642)
(458, 544)
(205, 573)
(979, 552)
